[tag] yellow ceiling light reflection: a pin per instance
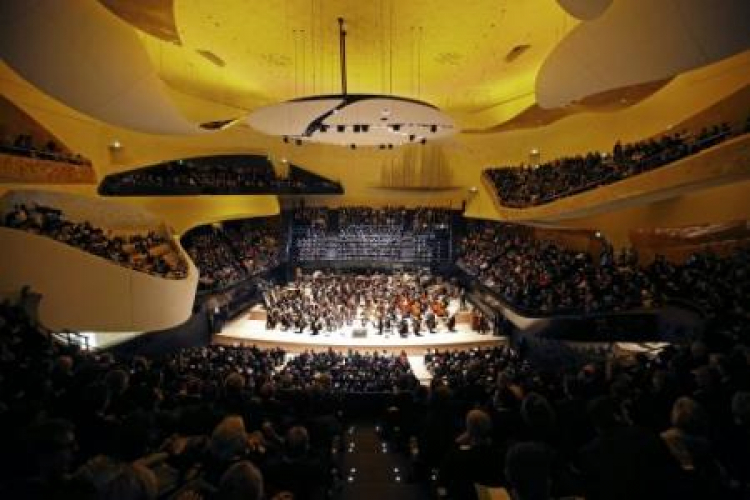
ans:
(453, 55)
(195, 78)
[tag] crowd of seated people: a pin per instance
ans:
(200, 423)
(203, 422)
(149, 253)
(541, 276)
(388, 303)
(529, 185)
(674, 425)
(358, 233)
(233, 252)
(350, 372)
(24, 145)
(215, 175)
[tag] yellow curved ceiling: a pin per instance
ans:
(457, 55)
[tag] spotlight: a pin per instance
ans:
(433, 129)
(286, 140)
(341, 128)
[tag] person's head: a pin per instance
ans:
(64, 364)
(242, 481)
(478, 426)
(52, 444)
(297, 441)
(98, 472)
(117, 381)
(537, 413)
(703, 377)
(527, 468)
(229, 438)
(234, 383)
(133, 482)
(602, 412)
(688, 416)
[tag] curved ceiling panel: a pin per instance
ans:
(155, 17)
(84, 56)
(638, 41)
(585, 10)
(611, 100)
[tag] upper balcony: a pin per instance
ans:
(99, 265)
(723, 163)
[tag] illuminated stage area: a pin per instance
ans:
(250, 328)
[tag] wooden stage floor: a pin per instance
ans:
(248, 331)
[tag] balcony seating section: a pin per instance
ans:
(151, 252)
(530, 185)
(234, 251)
(215, 175)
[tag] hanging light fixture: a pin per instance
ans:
(361, 119)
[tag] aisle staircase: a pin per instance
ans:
(372, 470)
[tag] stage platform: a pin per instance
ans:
(248, 331)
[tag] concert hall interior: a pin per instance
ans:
(337, 249)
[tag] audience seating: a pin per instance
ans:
(529, 185)
(394, 235)
(150, 253)
(24, 145)
(215, 175)
(234, 252)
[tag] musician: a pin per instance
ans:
(451, 323)
(271, 319)
(403, 327)
(380, 324)
(315, 326)
(483, 324)
(431, 322)
(330, 323)
(300, 323)
(286, 323)
(417, 324)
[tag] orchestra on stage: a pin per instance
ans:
(400, 303)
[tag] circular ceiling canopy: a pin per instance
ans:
(354, 119)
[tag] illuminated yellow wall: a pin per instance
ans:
(723, 203)
(360, 170)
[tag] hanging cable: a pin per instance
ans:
(342, 51)
(391, 49)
